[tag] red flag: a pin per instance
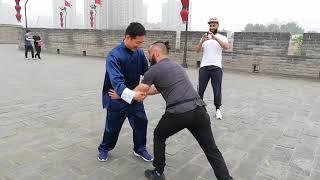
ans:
(98, 2)
(67, 4)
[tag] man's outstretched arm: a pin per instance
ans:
(150, 90)
(142, 89)
(153, 91)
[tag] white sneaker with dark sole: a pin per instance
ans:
(218, 114)
(102, 160)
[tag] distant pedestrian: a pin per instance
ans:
(27, 44)
(37, 44)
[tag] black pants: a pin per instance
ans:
(27, 49)
(197, 122)
(38, 49)
(215, 74)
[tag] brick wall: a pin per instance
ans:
(266, 51)
(269, 53)
(95, 43)
(8, 34)
(300, 66)
(311, 44)
(261, 43)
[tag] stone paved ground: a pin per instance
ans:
(51, 122)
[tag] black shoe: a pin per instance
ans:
(151, 174)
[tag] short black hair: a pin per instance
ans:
(27, 31)
(135, 29)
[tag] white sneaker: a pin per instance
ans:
(218, 114)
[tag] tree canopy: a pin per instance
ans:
(290, 27)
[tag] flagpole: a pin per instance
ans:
(66, 4)
(95, 14)
(65, 19)
(25, 13)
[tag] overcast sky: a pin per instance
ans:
(233, 14)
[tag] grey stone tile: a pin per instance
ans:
(301, 166)
(281, 154)
(315, 175)
(273, 169)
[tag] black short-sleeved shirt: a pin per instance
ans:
(36, 40)
(172, 81)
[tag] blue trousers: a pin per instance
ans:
(116, 114)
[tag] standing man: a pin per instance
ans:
(212, 45)
(184, 109)
(28, 45)
(124, 66)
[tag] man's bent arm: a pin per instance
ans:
(142, 88)
(117, 80)
(199, 46)
(152, 91)
(224, 45)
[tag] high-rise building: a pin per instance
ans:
(86, 4)
(128, 11)
(122, 12)
(116, 14)
(72, 14)
(71, 20)
(190, 15)
(40, 21)
(55, 12)
(7, 13)
(171, 19)
(100, 14)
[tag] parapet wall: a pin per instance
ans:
(252, 52)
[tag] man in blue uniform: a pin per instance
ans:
(124, 66)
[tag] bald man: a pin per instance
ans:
(184, 109)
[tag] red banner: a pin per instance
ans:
(67, 4)
(98, 2)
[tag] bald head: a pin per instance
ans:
(158, 51)
(161, 47)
